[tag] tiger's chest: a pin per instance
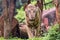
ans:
(34, 23)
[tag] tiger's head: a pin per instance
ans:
(31, 12)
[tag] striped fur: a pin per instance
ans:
(33, 19)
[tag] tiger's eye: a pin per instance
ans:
(29, 11)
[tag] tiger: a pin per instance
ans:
(33, 20)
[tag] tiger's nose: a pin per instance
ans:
(33, 17)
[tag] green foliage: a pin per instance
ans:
(2, 38)
(20, 15)
(33, 2)
(47, 6)
(53, 33)
(37, 38)
(46, 1)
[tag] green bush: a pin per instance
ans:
(20, 15)
(53, 33)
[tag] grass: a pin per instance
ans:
(20, 39)
(1, 38)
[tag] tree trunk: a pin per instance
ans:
(57, 4)
(8, 6)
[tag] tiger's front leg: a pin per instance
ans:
(29, 32)
(38, 32)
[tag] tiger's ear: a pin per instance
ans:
(40, 4)
(29, 1)
(25, 6)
